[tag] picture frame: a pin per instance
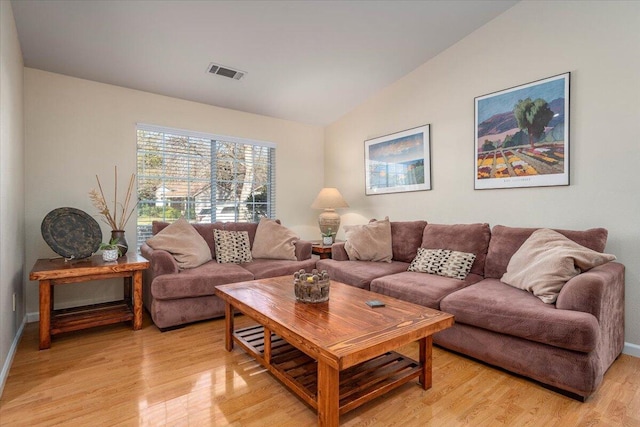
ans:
(521, 135)
(398, 162)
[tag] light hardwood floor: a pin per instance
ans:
(115, 376)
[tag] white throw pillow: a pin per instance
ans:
(546, 261)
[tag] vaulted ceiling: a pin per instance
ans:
(307, 61)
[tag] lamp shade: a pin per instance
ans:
(329, 198)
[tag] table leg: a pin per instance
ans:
(267, 345)
(426, 348)
(127, 290)
(328, 395)
(228, 326)
(45, 314)
(137, 300)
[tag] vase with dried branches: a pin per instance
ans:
(118, 217)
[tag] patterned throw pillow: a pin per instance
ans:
(232, 246)
(456, 265)
(443, 262)
(427, 261)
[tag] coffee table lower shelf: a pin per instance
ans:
(358, 384)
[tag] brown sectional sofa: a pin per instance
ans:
(175, 297)
(568, 345)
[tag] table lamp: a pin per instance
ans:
(329, 199)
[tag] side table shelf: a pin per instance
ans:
(76, 318)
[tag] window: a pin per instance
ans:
(205, 178)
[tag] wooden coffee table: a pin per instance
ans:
(335, 355)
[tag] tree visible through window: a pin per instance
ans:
(204, 178)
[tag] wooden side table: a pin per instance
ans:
(323, 251)
(57, 271)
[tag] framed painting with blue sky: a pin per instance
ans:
(398, 162)
(522, 135)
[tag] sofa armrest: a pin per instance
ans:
(599, 291)
(338, 252)
(303, 250)
(160, 261)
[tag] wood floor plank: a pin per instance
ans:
(112, 375)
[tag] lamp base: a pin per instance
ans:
(329, 222)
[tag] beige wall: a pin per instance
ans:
(598, 43)
(76, 129)
(11, 189)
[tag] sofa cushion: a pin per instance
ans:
(206, 231)
(274, 241)
(423, 289)
(249, 227)
(182, 241)
(369, 242)
(406, 237)
(546, 261)
(443, 262)
(197, 282)
(232, 246)
(498, 307)
(262, 268)
(359, 273)
(505, 241)
(470, 238)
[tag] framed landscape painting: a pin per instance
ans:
(522, 135)
(398, 162)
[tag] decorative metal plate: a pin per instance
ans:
(71, 233)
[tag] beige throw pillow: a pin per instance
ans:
(274, 241)
(182, 241)
(369, 242)
(546, 261)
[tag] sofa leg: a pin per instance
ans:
(173, 328)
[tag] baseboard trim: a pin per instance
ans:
(12, 352)
(33, 317)
(631, 349)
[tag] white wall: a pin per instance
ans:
(77, 128)
(11, 190)
(598, 42)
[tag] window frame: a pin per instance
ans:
(143, 231)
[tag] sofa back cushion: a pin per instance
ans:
(505, 241)
(469, 238)
(249, 227)
(406, 237)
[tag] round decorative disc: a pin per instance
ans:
(71, 233)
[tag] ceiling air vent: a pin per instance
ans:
(223, 71)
